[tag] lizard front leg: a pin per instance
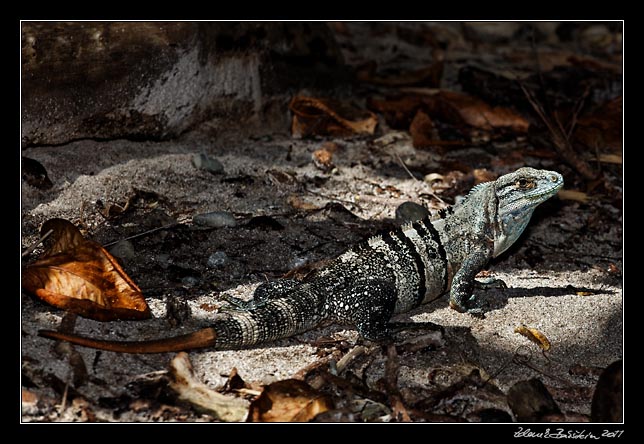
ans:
(461, 298)
(368, 304)
(263, 293)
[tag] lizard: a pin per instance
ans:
(388, 274)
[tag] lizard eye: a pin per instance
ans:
(525, 184)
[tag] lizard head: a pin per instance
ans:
(518, 194)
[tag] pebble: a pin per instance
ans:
(218, 259)
(123, 250)
(204, 162)
(216, 219)
(189, 281)
(410, 212)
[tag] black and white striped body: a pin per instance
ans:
(388, 274)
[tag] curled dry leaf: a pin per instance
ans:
(449, 107)
(602, 128)
(80, 276)
(534, 335)
(475, 112)
(296, 202)
(578, 196)
(289, 400)
(323, 157)
(327, 117)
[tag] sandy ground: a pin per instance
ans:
(563, 276)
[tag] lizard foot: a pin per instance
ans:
(490, 282)
(242, 305)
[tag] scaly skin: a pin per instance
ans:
(390, 273)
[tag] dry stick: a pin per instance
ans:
(33, 246)
(315, 193)
(391, 382)
(405, 166)
(560, 140)
(350, 356)
(144, 233)
(63, 402)
(431, 192)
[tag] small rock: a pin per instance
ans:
(202, 161)
(410, 212)
(35, 174)
(218, 259)
(608, 396)
(164, 260)
(189, 281)
(123, 250)
(216, 219)
(530, 401)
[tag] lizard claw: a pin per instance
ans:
(474, 311)
(477, 312)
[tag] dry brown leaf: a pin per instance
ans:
(578, 196)
(610, 158)
(482, 175)
(423, 132)
(475, 112)
(535, 336)
(323, 157)
(450, 107)
(398, 112)
(299, 204)
(602, 127)
(80, 276)
(327, 117)
(289, 400)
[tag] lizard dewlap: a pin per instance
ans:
(389, 274)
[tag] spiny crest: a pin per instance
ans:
(475, 189)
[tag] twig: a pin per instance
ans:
(63, 402)
(559, 138)
(315, 193)
(350, 356)
(33, 246)
(405, 166)
(391, 382)
(144, 233)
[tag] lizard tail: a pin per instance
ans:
(199, 339)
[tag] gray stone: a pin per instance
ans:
(189, 281)
(203, 161)
(123, 250)
(410, 211)
(218, 259)
(215, 219)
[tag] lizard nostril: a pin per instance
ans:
(554, 178)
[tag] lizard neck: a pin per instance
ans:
(509, 227)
